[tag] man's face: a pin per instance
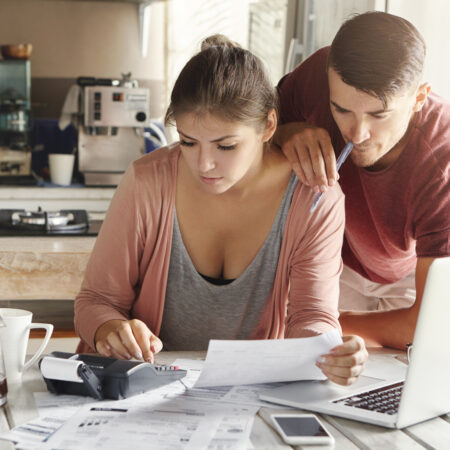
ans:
(378, 133)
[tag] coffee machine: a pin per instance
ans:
(111, 126)
(15, 122)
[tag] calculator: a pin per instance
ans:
(102, 377)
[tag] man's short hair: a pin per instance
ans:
(378, 53)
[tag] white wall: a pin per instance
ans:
(432, 19)
(189, 22)
(73, 38)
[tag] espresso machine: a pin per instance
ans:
(111, 126)
(15, 122)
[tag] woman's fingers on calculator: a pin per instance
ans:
(104, 349)
(119, 348)
(148, 343)
(123, 342)
(115, 339)
(127, 339)
(155, 344)
(139, 344)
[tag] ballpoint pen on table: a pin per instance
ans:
(341, 158)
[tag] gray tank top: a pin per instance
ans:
(196, 310)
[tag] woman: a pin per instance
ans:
(211, 238)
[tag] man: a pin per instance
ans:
(367, 88)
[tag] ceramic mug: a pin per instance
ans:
(14, 338)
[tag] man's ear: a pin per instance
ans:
(271, 125)
(421, 95)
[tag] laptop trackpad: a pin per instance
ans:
(314, 391)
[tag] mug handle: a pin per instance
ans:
(48, 333)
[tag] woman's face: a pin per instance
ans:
(220, 154)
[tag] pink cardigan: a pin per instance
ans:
(127, 272)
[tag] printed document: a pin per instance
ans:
(265, 361)
(155, 424)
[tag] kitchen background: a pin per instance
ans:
(102, 38)
(152, 40)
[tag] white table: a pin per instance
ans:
(348, 434)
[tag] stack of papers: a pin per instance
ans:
(213, 407)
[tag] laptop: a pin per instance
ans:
(423, 393)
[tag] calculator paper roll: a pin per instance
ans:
(61, 369)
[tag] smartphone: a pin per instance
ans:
(298, 428)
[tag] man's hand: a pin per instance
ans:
(310, 152)
(126, 339)
(345, 363)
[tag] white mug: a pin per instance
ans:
(14, 338)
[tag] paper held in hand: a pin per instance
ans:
(265, 361)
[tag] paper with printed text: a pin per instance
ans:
(265, 361)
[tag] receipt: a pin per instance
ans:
(61, 369)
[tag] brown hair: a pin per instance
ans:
(378, 53)
(226, 80)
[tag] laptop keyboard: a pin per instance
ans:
(383, 400)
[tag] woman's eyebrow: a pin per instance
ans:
(185, 135)
(214, 140)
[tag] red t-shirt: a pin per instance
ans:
(394, 215)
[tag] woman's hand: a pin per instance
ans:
(126, 339)
(345, 363)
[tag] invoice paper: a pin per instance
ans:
(265, 361)
(155, 424)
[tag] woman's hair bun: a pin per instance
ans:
(218, 40)
(226, 80)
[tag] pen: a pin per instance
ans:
(341, 158)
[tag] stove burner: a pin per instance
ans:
(49, 219)
(64, 221)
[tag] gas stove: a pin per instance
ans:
(70, 222)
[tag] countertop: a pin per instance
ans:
(33, 268)
(78, 191)
(93, 199)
